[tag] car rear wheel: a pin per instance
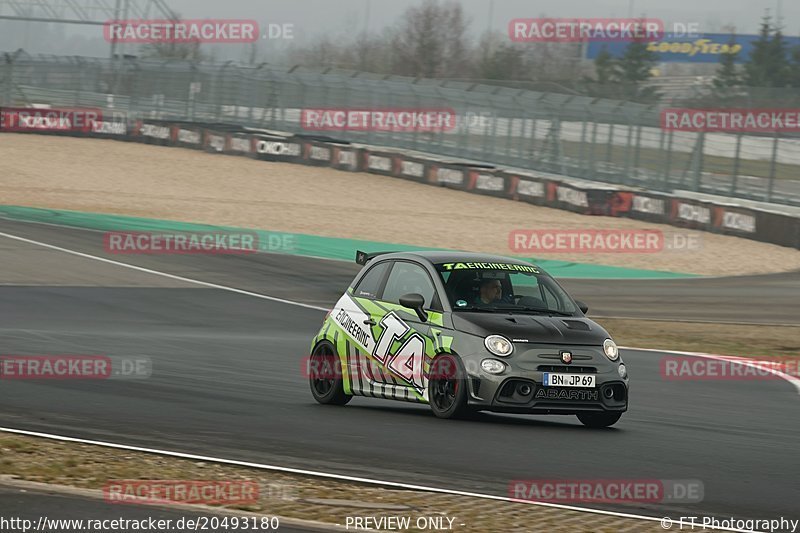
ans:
(325, 376)
(599, 420)
(447, 387)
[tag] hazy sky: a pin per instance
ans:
(340, 15)
(314, 18)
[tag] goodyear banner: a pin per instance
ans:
(703, 48)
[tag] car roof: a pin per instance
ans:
(444, 256)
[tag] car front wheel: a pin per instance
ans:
(599, 420)
(447, 387)
(325, 376)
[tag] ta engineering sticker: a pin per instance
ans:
(351, 319)
(406, 362)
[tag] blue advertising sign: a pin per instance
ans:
(705, 48)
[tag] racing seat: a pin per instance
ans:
(465, 287)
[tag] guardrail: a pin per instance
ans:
(539, 188)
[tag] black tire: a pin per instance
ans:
(599, 420)
(447, 387)
(325, 376)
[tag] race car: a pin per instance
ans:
(466, 332)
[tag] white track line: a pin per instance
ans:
(338, 477)
(696, 321)
(407, 486)
(164, 274)
(350, 260)
(79, 228)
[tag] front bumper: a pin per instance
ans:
(520, 389)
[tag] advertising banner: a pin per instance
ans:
(702, 48)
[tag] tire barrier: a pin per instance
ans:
(538, 188)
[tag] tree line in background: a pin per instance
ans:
(433, 40)
(771, 69)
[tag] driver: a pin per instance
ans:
(491, 292)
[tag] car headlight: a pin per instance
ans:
(623, 372)
(610, 349)
(498, 345)
(493, 366)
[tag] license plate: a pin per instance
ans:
(569, 380)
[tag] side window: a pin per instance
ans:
(550, 298)
(526, 286)
(406, 278)
(370, 284)
(529, 291)
(554, 301)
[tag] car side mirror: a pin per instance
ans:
(582, 306)
(417, 303)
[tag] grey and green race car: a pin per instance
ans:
(466, 332)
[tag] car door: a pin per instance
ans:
(363, 311)
(400, 346)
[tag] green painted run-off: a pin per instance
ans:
(302, 244)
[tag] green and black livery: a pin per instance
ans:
(466, 332)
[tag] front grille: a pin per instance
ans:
(568, 369)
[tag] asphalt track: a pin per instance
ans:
(227, 382)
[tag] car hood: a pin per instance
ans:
(532, 328)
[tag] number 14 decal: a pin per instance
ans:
(408, 360)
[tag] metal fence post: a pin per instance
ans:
(581, 157)
(638, 148)
(9, 92)
(736, 162)
(592, 158)
(697, 162)
(610, 143)
(79, 83)
(773, 167)
(668, 163)
(493, 136)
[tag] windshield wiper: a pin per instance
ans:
(476, 308)
(551, 311)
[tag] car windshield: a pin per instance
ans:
(503, 287)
